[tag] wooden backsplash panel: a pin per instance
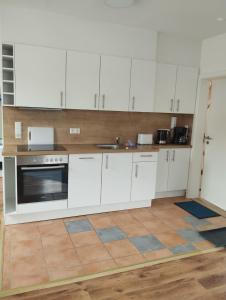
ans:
(96, 126)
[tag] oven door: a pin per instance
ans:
(40, 183)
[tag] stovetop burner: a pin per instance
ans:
(28, 148)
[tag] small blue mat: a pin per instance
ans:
(215, 236)
(196, 209)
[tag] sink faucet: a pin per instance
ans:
(117, 140)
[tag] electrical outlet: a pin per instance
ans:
(75, 130)
(18, 130)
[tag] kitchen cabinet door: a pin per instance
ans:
(40, 76)
(178, 169)
(143, 181)
(84, 180)
(114, 83)
(143, 74)
(165, 88)
(116, 178)
(163, 170)
(186, 89)
(82, 85)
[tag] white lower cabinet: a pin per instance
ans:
(84, 180)
(172, 171)
(143, 180)
(116, 178)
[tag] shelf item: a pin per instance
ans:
(8, 77)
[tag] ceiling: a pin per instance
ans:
(190, 18)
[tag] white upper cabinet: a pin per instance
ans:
(82, 85)
(40, 76)
(84, 180)
(165, 88)
(143, 74)
(175, 89)
(116, 178)
(185, 97)
(114, 83)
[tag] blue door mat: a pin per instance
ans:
(196, 209)
(215, 236)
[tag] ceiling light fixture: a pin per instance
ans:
(220, 19)
(119, 3)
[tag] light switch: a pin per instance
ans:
(18, 130)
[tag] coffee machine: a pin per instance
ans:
(162, 136)
(180, 135)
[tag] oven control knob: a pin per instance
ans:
(61, 159)
(46, 160)
(51, 160)
(56, 159)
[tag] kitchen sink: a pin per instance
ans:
(108, 146)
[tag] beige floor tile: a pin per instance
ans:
(204, 245)
(170, 239)
(100, 266)
(61, 258)
(63, 273)
(129, 260)
(124, 219)
(92, 254)
(134, 229)
(100, 221)
(121, 248)
(25, 248)
(54, 228)
(82, 239)
(24, 232)
(150, 255)
(57, 241)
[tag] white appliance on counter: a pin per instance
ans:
(40, 135)
(145, 139)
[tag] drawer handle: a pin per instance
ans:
(147, 155)
(86, 157)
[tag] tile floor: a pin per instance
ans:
(40, 252)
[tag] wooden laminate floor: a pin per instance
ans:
(202, 277)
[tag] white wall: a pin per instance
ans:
(175, 49)
(61, 31)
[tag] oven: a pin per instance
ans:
(42, 178)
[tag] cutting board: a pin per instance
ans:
(40, 135)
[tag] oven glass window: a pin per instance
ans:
(42, 183)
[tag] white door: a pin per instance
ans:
(116, 178)
(165, 88)
(84, 180)
(178, 169)
(143, 181)
(82, 85)
(186, 88)
(40, 76)
(163, 170)
(143, 76)
(214, 175)
(114, 83)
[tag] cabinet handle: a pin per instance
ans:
(174, 154)
(146, 155)
(106, 165)
(167, 155)
(86, 157)
(178, 105)
(61, 98)
(103, 101)
(136, 171)
(133, 103)
(171, 105)
(95, 101)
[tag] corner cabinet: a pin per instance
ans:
(40, 77)
(84, 180)
(143, 74)
(82, 84)
(176, 88)
(116, 178)
(173, 168)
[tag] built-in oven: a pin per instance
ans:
(42, 179)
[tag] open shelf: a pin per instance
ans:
(8, 77)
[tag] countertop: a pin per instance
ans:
(11, 150)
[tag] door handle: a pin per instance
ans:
(61, 98)
(133, 103)
(171, 104)
(136, 171)
(174, 155)
(167, 155)
(178, 105)
(208, 138)
(103, 101)
(95, 101)
(106, 165)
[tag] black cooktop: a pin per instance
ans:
(27, 148)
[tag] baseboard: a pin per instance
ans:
(15, 218)
(170, 194)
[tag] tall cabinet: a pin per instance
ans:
(40, 76)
